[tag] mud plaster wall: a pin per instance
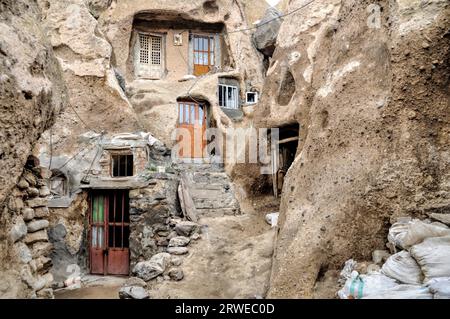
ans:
(372, 104)
(177, 60)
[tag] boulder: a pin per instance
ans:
(15, 204)
(172, 235)
(135, 281)
(380, 256)
(37, 202)
(265, 35)
(176, 261)
(152, 268)
(23, 252)
(176, 274)
(32, 192)
(27, 213)
(36, 225)
(41, 249)
(40, 235)
(41, 212)
(23, 184)
(44, 191)
(19, 230)
(179, 241)
(186, 228)
(42, 282)
(133, 292)
(177, 250)
(46, 293)
(30, 178)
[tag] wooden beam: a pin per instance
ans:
(289, 139)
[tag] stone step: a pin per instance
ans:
(210, 178)
(223, 202)
(218, 212)
(191, 167)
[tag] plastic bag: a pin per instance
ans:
(360, 286)
(433, 257)
(272, 219)
(405, 234)
(403, 268)
(346, 272)
(440, 287)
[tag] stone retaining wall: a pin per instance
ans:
(151, 211)
(24, 243)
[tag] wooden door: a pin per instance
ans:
(97, 234)
(118, 233)
(192, 121)
(109, 232)
(203, 54)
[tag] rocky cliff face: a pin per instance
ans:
(369, 87)
(32, 92)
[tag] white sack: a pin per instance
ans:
(433, 257)
(403, 268)
(440, 287)
(405, 234)
(346, 272)
(360, 286)
(403, 292)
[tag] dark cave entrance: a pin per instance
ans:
(284, 155)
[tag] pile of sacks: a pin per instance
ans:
(420, 270)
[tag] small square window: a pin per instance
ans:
(178, 39)
(251, 98)
(122, 165)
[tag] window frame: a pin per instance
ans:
(256, 97)
(150, 38)
(112, 155)
(64, 185)
(149, 70)
(225, 100)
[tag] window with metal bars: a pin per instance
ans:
(150, 49)
(122, 165)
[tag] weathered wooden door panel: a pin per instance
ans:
(97, 234)
(192, 121)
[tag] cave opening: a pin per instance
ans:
(284, 155)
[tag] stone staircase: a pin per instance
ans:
(210, 189)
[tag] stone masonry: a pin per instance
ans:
(26, 246)
(152, 209)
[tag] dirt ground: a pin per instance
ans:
(232, 259)
(93, 287)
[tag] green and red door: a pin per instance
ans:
(109, 230)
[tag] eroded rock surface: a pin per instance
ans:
(369, 92)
